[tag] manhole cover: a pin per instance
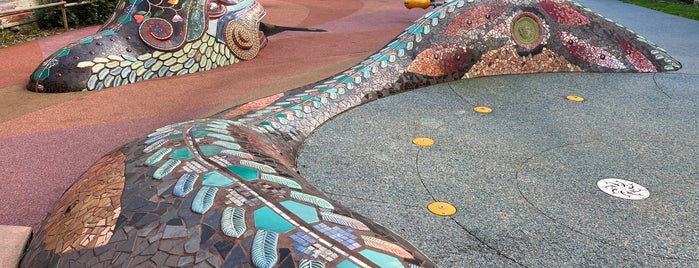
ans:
(623, 189)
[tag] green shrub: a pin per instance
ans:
(682, 8)
(95, 13)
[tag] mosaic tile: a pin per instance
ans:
(266, 219)
(307, 213)
(312, 199)
(342, 236)
(281, 180)
(233, 222)
(216, 179)
(166, 168)
(383, 260)
(185, 184)
(244, 172)
(157, 156)
(204, 199)
(207, 150)
(182, 154)
(264, 249)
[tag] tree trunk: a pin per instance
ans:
(696, 3)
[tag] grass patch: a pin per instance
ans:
(673, 7)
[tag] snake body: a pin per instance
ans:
(225, 191)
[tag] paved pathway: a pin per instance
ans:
(524, 178)
(48, 140)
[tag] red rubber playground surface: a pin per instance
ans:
(48, 140)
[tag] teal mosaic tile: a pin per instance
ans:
(208, 150)
(245, 173)
(266, 219)
(382, 260)
(348, 264)
(216, 179)
(306, 213)
(182, 154)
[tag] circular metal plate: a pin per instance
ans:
(575, 98)
(423, 142)
(527, 30)
(623, 189)
(441, 208)
(483, 109)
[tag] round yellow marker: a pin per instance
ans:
(483, 109)
(423, 142)
(575, 98)
(417, 3)
(441, 208)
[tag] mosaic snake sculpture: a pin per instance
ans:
(225, 192)
(147, 39)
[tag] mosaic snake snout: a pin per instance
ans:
(148, 39)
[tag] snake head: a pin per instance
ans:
(471, 39)
(147, 39)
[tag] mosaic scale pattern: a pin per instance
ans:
(225, 192)
(147, 39)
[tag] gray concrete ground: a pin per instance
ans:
(523, 178)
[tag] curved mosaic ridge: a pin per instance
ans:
(147, 39)
(225, 192)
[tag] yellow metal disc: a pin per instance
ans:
(483, 109)
(441, 208)
(423, 141)
(417, 3)
(575, 98)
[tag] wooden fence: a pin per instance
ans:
(15, 13)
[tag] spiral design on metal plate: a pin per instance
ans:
(527, 30)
